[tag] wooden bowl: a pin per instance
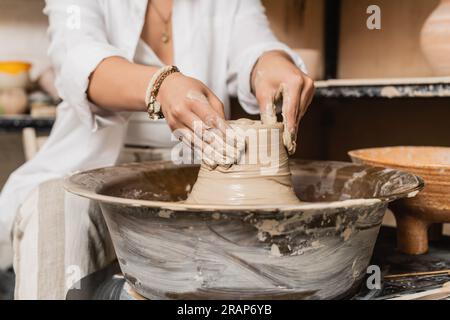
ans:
(432, 206)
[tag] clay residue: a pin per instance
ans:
(289, 140)
(429, 91)
(347, 233)
(165, 214)
(270, 227)
(268, 114)
(275, 251)
(197, 96)
(390, 92)
(209, 137)
(201, 264)
(290, 125)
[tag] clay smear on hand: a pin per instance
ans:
(268, 114)
(289, 137)
(269, 117)
(197, 96)
(212, 141)
(290, 125)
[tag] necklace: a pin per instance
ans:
(165, 37)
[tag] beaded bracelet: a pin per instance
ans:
(153, 106)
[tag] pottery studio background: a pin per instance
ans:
(404, 98)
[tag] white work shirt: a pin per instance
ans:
(215, 41)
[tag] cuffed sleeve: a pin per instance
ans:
(251, 36)
(78, 44)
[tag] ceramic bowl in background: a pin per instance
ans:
(435, 39)
(14, 74)
(13, 101)
(432, 206)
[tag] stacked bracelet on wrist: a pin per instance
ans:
(153, 106)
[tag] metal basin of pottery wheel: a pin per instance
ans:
(317, 250)
(432, 206)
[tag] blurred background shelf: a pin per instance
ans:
(19, 122)
(427, 87)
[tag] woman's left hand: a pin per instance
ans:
(276, 77)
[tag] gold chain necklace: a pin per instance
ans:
(165, 37)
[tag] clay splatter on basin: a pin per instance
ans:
(171, 250)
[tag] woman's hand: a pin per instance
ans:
(276, 77)
(196, 116)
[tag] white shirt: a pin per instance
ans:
(215, 41)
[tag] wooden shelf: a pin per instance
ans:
(433, 87)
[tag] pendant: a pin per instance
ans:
(165, 37)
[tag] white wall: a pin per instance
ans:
(23, 36)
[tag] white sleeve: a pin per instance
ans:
(78, 43)
(251, 36)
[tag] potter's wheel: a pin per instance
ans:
(170, 250)
(109, 283)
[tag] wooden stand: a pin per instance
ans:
(412, 233)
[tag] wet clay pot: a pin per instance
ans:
(428, 209)
(168, 249)
(263, 171)
(435, 39)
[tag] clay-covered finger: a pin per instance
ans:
(267, 107)
(290, 112)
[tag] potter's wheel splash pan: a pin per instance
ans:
(318, 250)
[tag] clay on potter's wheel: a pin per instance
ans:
(262, 176)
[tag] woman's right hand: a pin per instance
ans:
(196, 117)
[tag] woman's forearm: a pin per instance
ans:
(119, 85)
